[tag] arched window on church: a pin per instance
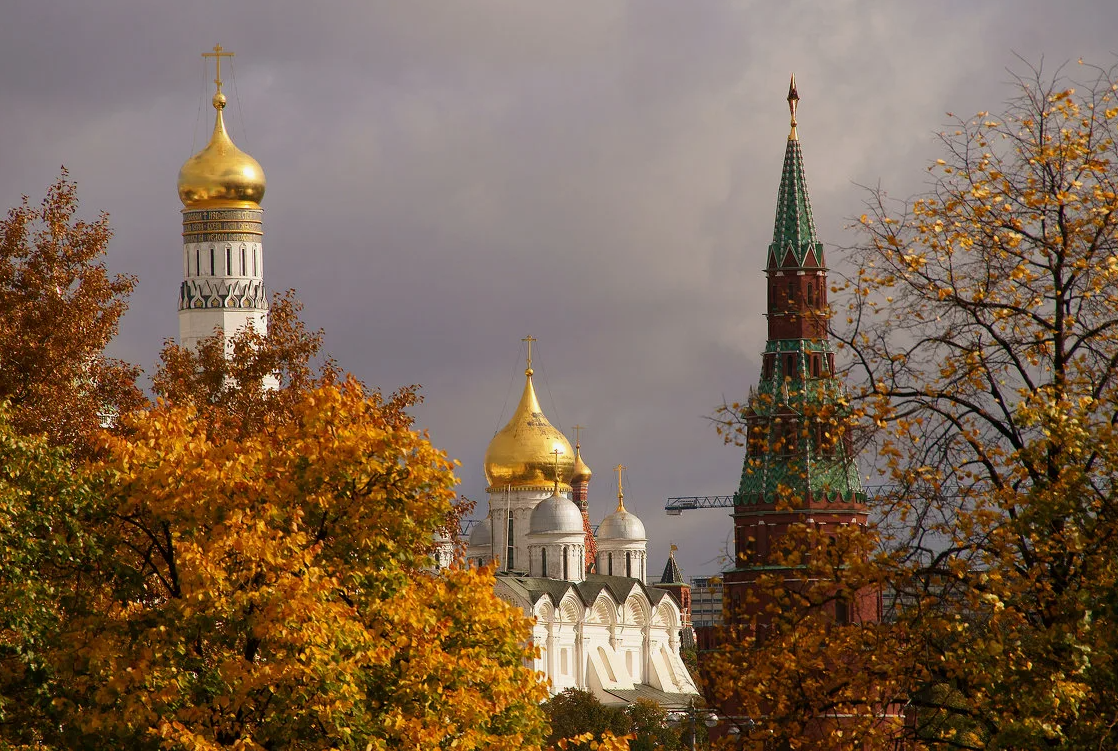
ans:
(197, 262)
(254, 254)
(566, 563)
(213, 267)
(628, 564)
(609, 561)
(811, 294)
(228, 260)
(509, 548)
(243, 264)
(543, 562)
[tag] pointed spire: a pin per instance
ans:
(793, 99)
(794, 230)
(672, 574)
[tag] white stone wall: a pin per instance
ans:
(223, 287)
(518, 502)
(607, 645)
(638, 558)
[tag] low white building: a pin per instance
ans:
(607, 632)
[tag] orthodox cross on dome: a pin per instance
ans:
(218, 53)
(620, 491)
(529, 339)
(578, 433)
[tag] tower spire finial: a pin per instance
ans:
(793, 98)
(620, 491)
(528, 371)
(578, 434)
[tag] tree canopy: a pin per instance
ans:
(59, 309)
(982, 329)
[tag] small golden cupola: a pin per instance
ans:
(581, 472)
(522, 454)
(221, 175)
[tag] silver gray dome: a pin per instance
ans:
(621, 525)
(481, 535)
(555, 515)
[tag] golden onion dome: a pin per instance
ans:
(580, 473)
(221, 174)
(522, 454)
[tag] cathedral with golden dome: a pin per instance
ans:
(222, 234)
(599, 625)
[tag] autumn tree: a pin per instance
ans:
(47, 551)
(581, 721)
(269, 591)
(59, 309)
(981, 325)
(983, 322)
(238, 382)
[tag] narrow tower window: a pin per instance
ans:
(197, 262)
(566, 564)
(242, 260)
(543, 563)
(254, 271)
(609, 558)
(628, 564)
(228, 260)
(509, 549)
(213, 266)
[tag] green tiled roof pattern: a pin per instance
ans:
(801, 468)
(795, 227)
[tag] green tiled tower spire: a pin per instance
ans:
(794, 232)
(798, 449)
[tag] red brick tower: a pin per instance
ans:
(799, 466)
(580, 483)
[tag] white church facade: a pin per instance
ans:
(606, 632)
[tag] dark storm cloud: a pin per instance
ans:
(445, 178)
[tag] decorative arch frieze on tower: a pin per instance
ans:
(222, 233)
(800, 465)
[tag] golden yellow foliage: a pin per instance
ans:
(272, 590)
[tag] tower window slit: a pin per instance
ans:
(228, 261)
(509, 549)
(254, 272)
(197, 262)
(242, 260)
(543, 556)
(628, 564)
(609, 562)
(566, 562)
(213, 266)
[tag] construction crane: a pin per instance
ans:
(679, 504)
(676, 506)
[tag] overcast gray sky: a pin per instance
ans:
(445, 178)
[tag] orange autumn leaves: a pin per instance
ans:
(269, 590)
